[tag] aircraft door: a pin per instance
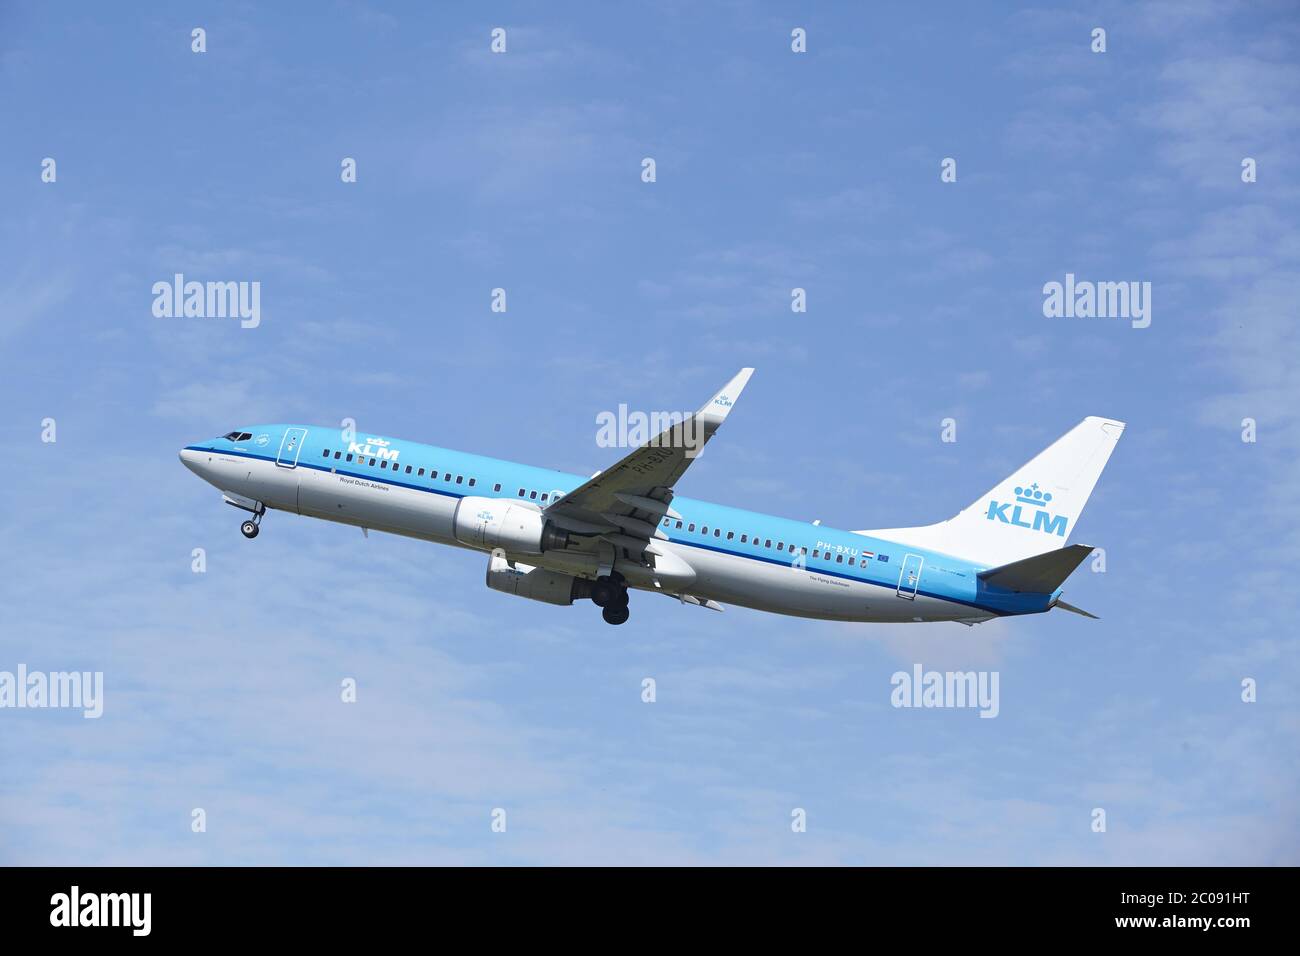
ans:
(909, 576)
(290, 447)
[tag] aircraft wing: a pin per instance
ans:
(625, 503)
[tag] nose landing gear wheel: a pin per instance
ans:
(615, 615)
(249, 529)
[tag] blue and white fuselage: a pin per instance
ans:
(558, 537)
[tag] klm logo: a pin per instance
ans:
(1016, 513)
(723, 401)
(373, 448)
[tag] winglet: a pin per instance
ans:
(715, 409)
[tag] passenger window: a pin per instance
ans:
(372, 463)
(839, 559)
(521, 492)
(460, 479)
(767, 543)
(691, 526)
(780, 546)
(544, 496)
(816, 553)
(327, 452)
(704, 530)
(826, 556)
(338, 455)
(532, 495)
(420, 473)
(730, 535)
(744, 539)
(851, 562)
(679, 524)
(471, 482)
(497, 486)
(447, 477)
(408, 469)
(717, 532)
(803, 550)
(349, 458)
(667, 521)
(384, 463)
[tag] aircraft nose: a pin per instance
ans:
(190, 459)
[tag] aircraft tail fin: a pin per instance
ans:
(1032, 510)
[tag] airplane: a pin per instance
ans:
(559, 538)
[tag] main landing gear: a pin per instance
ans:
(609, 593)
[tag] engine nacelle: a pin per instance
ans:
(501, 523)
(536, 584)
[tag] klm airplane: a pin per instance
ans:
(560, 538)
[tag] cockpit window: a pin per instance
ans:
(237, 436)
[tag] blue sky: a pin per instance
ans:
(775, 170)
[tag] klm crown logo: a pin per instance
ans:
(1016, 513)
(1032, 496)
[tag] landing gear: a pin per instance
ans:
(604, 592)
(615, 615)
(610, 595)
(249, 528)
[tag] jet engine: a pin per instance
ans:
(505, 524)
(537, 584)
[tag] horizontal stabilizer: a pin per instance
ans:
(1074, 610)
(1041, 574)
